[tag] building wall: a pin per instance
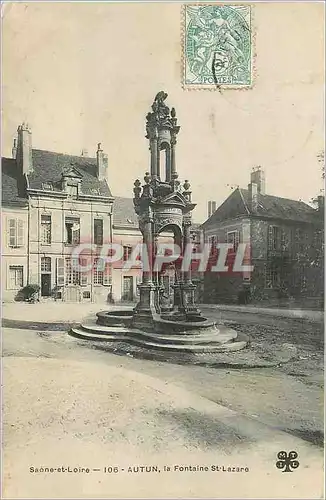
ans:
(225, 287)
(30, 254)
(298, 260)
(124, 279)
(13, 256)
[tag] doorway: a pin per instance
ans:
(45, 285)
(128, 288)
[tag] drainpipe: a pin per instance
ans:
(28, 241)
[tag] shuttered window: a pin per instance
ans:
(84, 274)
(15, 233)
(233, 238)
(60, 271)
(16, 278)
(98, 231)
(46, 229)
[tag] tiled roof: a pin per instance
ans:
(231, 208)
(282, 208)
(273, 207)
(48, 167)
(12, 182)
(124, 214)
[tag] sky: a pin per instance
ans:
(84, 73)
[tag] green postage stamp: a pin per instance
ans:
(217, 46)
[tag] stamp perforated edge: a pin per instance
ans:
(213, 87)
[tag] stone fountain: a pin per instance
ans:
(162, 204)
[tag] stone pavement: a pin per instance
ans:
(90, 415)
(311, 315)
(61, 314)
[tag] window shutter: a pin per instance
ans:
(20, 233)
(83, 274)
(60, 271)
(283, 240)
(236, 240)
(12, 232)
(270, 237)
(106, 275)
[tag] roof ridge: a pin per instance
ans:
(280, 197)
(64, 154)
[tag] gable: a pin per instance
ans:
(72, 173)
(173, 199)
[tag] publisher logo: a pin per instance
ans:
(287, 461)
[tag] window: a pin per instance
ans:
(86, 295)
(16, 233)
(95, 191)
(60, 271)
(72, 272)
(274, 238)
(47, 186)
(233, 238)
(272, 276)
(46, 229)
(15, 277)
(98, 231)
(301, 239)
(72, 227)
(45, 264)
(71, 190)
(126, 253)
(98, 272)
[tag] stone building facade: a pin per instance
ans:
(285, 239)
(51, 203)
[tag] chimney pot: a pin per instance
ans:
(258, 177)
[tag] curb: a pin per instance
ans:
(34, 325)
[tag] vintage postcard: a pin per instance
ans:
(162, 250)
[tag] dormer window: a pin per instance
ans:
(71, 190)
(95, 191)
(47, 186)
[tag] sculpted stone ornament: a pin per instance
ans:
(160, 117)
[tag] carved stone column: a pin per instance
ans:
(188, 304)
(154, 159)
(145, 309)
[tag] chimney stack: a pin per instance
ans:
(211, 208)
(84, 152)
(258, 177)
(321, 203)
(102, 163)
(24, 149)
(14, 150)
(253, 197)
